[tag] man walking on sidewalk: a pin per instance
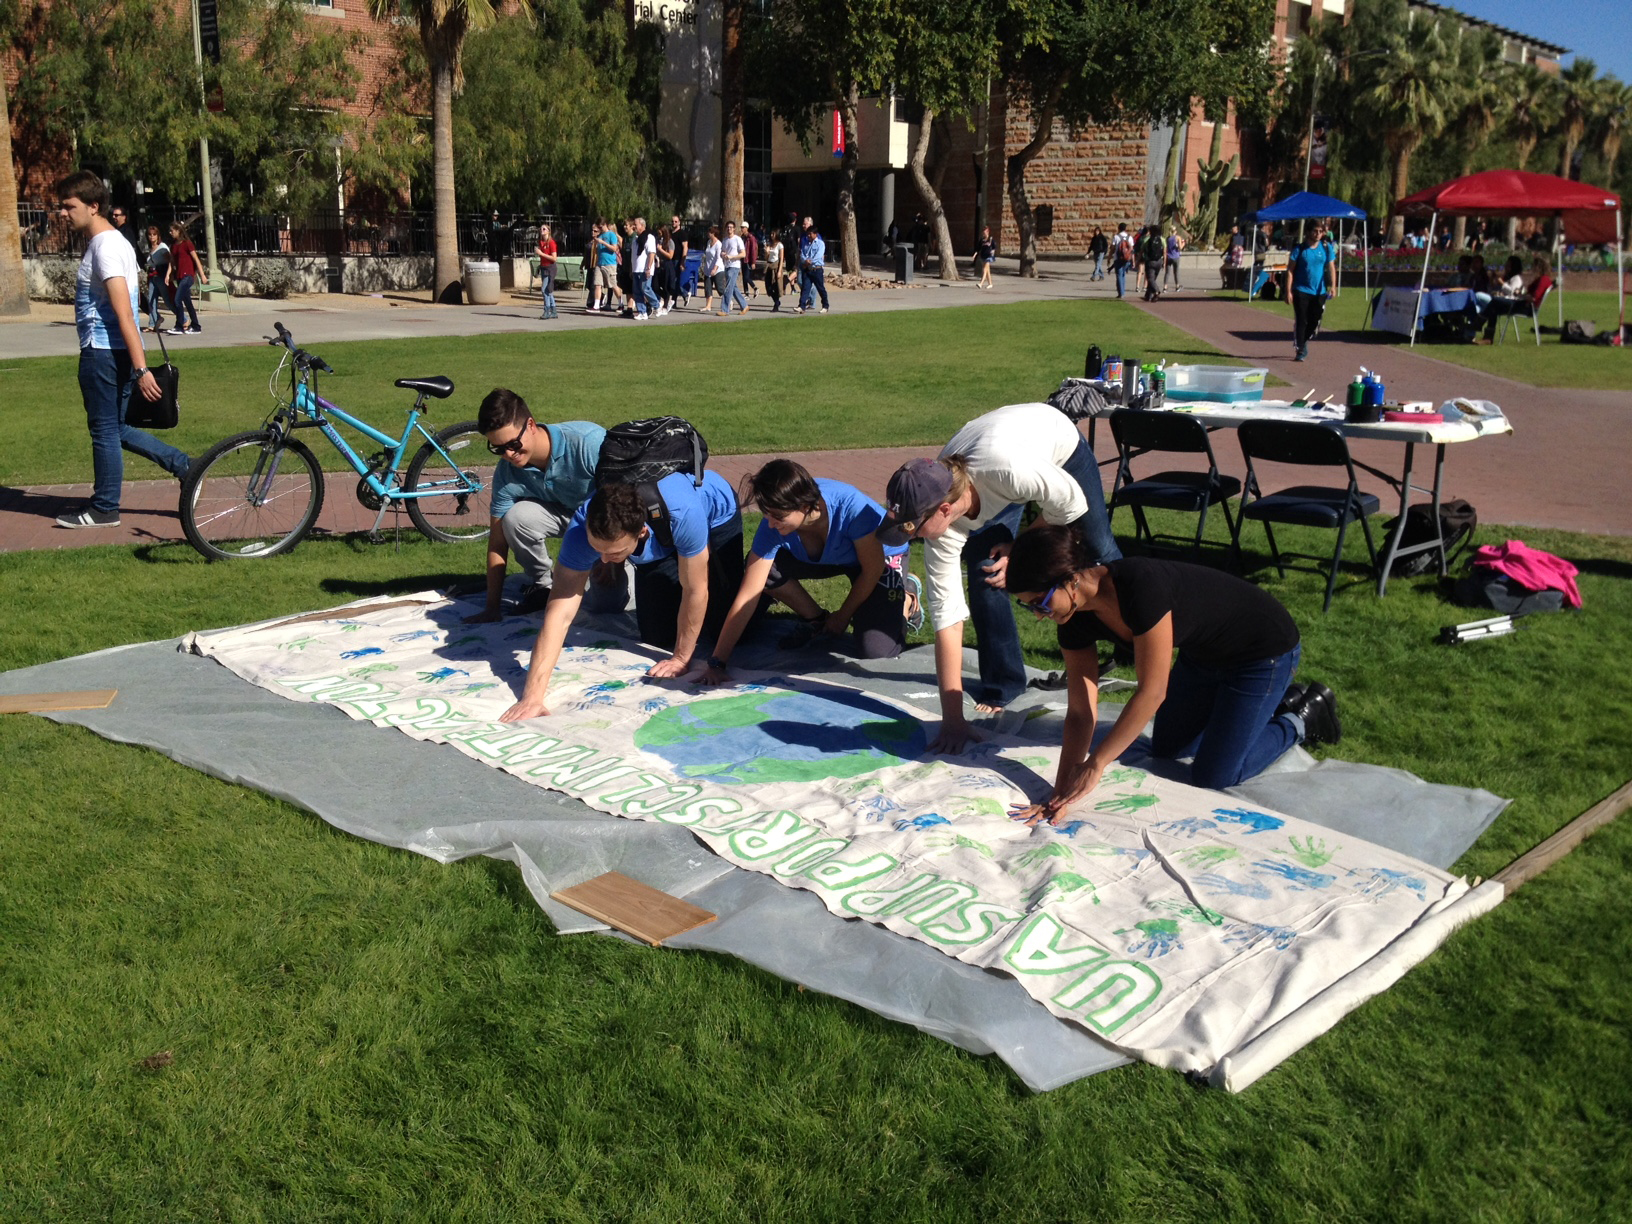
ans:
(111, 360)
(1311, 273)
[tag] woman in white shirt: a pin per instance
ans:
(966, 507)
(713, 269)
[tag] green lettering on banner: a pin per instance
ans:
(783, 833)
(808, 856)
(599, 774)
(728, 819)
(975, 922)
(430, 714)
(1126, 987)
(678, 794)
(933, 901)
(332, 688)
(496, 747)
(540, 751)
(1036, 949)
(880, 901)
(370, 710)
(643, 783)
(697, 809)
(466, 732)
(835, 874)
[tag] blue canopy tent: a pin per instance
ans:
(1307, 206)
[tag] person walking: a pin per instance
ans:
(774, 257)
(986, 256)
(111, 360)
(546, 270)
(1153, 253)
(606, 265)
(158, 273)
(732, 252)
(644, 253)
(750, 258)
(183, 276)
(1121, 258)
(1098, 247)
(966, 505)
(682, 251)
(1175, 248)
(812, 260)
(713, 270)
(666, 276)
(1311, 274)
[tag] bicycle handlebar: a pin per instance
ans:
(302, 357)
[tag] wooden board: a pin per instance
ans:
(36, 703)
(1532, 863)
(348, 610)
(636, 909)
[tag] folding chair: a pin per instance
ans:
(1306, 445)
(1138, 433)
(1511, 319)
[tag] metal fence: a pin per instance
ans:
(329, 232)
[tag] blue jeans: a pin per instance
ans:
(1095, 526)
(732, 291)
(184, 302)
(1000, 661)
(815, 281)
(546, 286)
(1099, 268)
(106, 385)
(645, 300)
(1225, 718)
(154, 297)
(1121, 271)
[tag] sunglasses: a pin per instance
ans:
(1039, 607)
(512, 447)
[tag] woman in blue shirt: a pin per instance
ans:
(819, 529)
(682, 586)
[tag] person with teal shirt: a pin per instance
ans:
(683, 583)
(818, 528)
(1311, 275)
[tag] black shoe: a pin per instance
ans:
(1317, 706)
(803, 634)
(532, 599)
(1294, 694)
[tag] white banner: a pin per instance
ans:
(1175, 923)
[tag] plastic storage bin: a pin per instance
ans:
(482, 283)
(1221, 384)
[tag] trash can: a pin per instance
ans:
(903, 263)
(482, 283)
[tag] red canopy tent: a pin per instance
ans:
(1588, 214)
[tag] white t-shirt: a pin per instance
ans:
(107, 254)
(645, 251)
(732, 250)
(1015, 455)
(711, 259)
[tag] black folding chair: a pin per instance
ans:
(1306, 445)
(1138, 433)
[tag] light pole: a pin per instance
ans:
(206, 187)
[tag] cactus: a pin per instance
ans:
(1214, 174)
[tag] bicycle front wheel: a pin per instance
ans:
(251, 495)
(454, 480)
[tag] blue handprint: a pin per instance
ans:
(415, 635)
(1382, 881)
(441, 673)
(653, 705)
(358, 654)
(1300, 878)
(1212, 881)
(927, 821)
(1190, 826)
(1253, 822)
(1157, 937)
(1246, 934)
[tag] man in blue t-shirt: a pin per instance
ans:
(812, 270)
(683, 586)
(544, 473)
(1311, 274)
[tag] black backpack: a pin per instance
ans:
(1457, 521)
(643, 452)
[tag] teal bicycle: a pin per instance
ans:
(257, 494)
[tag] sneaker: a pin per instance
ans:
(798, 310)
(89, 518)
(1299, 357)
(913, 610)
(640, 317)
(532, 599)
(824, 309)
(195, 330)
(175, 331)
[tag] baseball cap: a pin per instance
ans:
(914, 493)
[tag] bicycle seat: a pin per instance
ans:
(440, 386)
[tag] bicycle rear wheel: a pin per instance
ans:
(251, 495)
(460, 507)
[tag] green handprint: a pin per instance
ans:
(1053, 850)
(1124, 775)
(1126, 803)
(1312, 853)
(299, 643)
(368, 669)
(956, 841)
(973, 806)
(1066, 883)
(1205, 858)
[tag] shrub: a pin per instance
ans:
(59, 275)
(271, 278)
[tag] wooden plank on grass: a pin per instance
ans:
(1531, 864)
(40, 703)
(634, 908)
(348, 610)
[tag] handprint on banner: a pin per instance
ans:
(880, 807)
(1126, 803)
(416, 634)
(1382, 881)
(361, 654)
(1032, 858)
(1063, 885)
(440, 674)
(1300, 878)
(368, 669)
(1249, 934)
(1190, 912)
(945, 843)
(1214, 882)
(1202, 857)
(927, 821)
(1157, 937)
(1253, 822)
(1190, 826)
(1124, 775)
(299, 643)
(1310, 851)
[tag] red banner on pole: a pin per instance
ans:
(838, 134)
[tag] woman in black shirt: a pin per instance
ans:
(1225, 701)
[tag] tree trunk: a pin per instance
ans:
(1043, 119)
(983, 129)
(733, 95)
(446, 285)
(851, 252)
(1173, 193)
(13, 277)
(928, 193)
(1402, 176)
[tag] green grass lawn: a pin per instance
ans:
(1549, 365)
(353, 1031)
(895, 379)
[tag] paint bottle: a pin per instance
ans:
(1374, 394)
(1357, 394)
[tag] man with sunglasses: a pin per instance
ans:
(545, 472)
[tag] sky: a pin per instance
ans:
(1600, 30)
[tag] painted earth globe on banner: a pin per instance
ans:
(781, 737)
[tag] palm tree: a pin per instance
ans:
(1577, 95)
(443, 25)
(1405, 100)
(1532, 108)
(1614, 113)
(1478, 103)
(13, 278)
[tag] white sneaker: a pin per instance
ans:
(88, 518)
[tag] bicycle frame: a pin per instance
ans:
(316, 410)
